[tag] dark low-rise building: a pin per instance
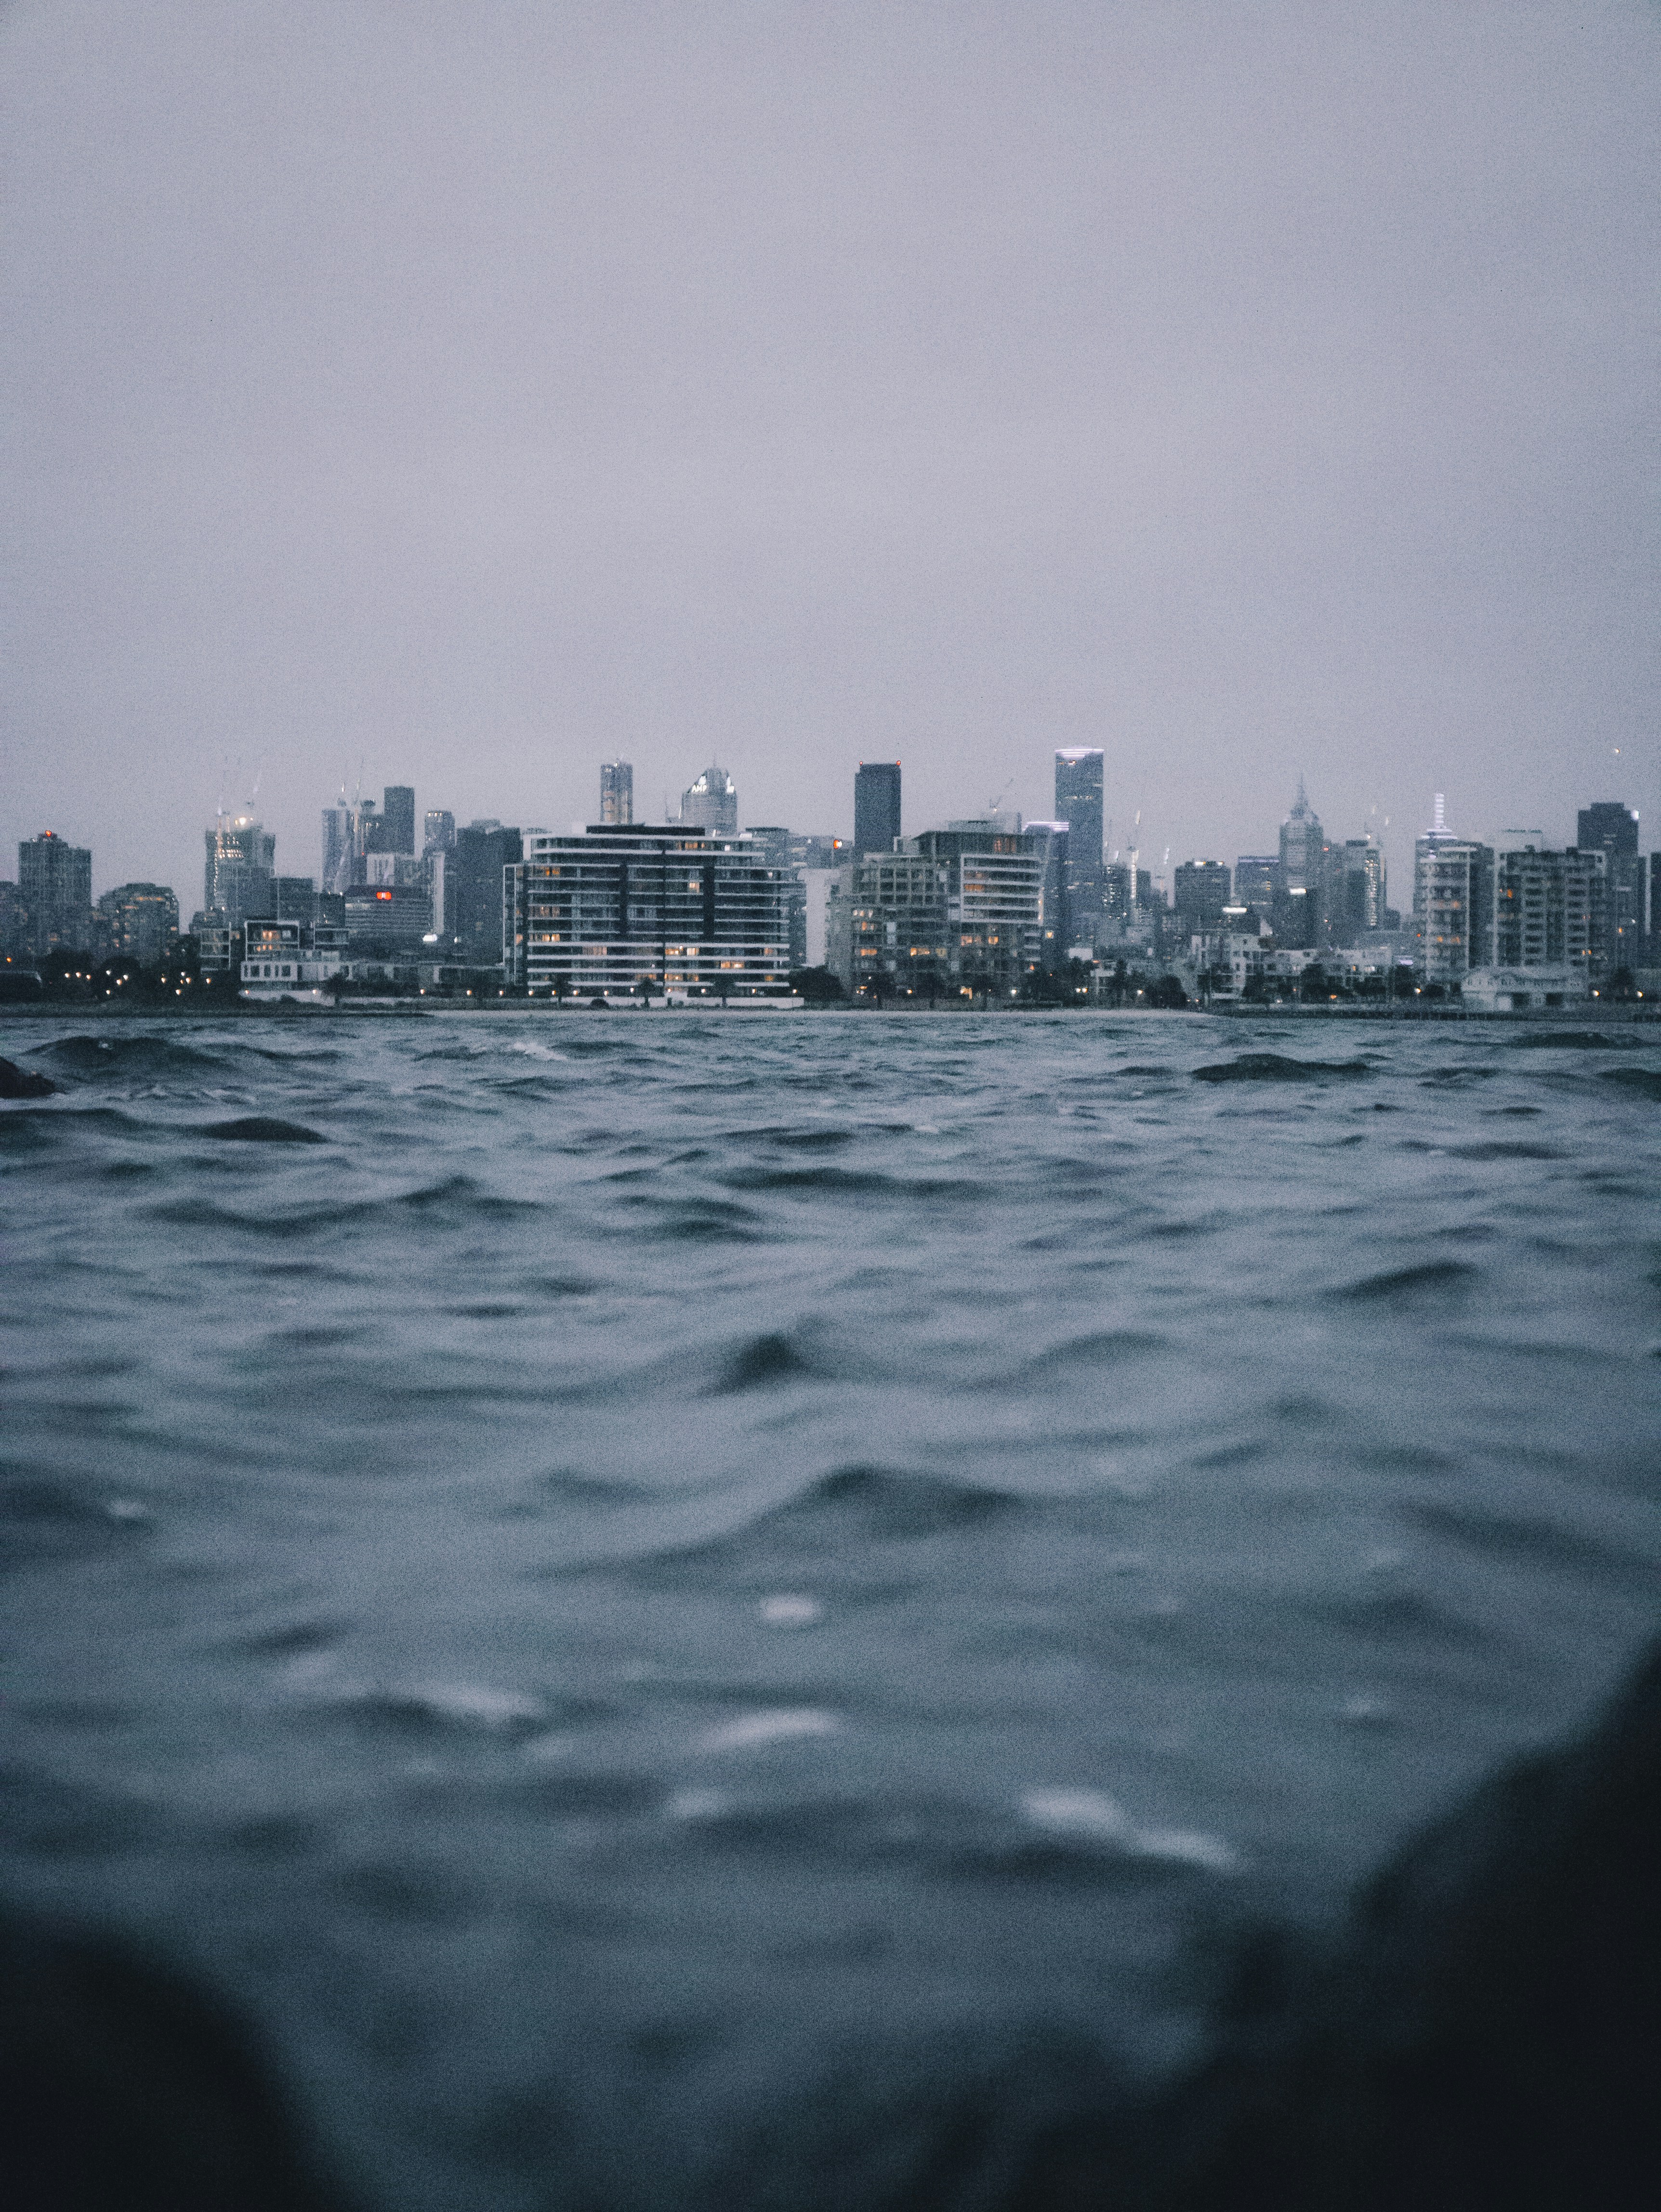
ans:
(140, 922)
(387, 921)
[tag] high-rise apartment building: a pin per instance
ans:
(664, 911)
(711, 804)
(54, 891)
(236, 876)
(1452, 902)
(140, 922)
(439, 831)
(616, 793)
(876, 806)
(1550, 910)
(960, 909)
(1080, 803)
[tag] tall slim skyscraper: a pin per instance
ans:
(440, 831)
(616, 793)
(1298, 919)
(339, 852)
(1079, 788)
(876, 806)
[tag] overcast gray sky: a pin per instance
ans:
(456, 394)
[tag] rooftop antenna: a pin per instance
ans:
(1438, 825)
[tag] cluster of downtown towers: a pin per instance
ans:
(974, 907)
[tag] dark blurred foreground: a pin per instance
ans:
(1487, 2034)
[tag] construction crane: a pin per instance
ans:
(993, 804)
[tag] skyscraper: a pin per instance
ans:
(394, 830)
(340, 853)
(616, 793)
(54, 890)
(876, 806)
(1303, 874)
(711, 804)
(1610, 827)
(440, 831)
(1079, 788)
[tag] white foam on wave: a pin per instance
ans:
(690, 1806)
(533, 1050)
(750, 1730)
(790, 1609)
(474, 1705)
(1092, 1816)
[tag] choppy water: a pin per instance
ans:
(679, 1592)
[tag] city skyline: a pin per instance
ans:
(1073, 377)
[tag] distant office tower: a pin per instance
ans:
(1607, 826)
(398, 819)
(1610, 827)
(11, 922)
(1079, 802)
(711, 804)
(1201, 890)
(483, 851)
(54, 888)
(339, 847)
(440, 831)
(1551, 910)
(1452, 902)
(394, 827)
(616, 793)
(1355, 889)
(1258, 883)
(141, 922)
(1303, 875)
(293, 898)
(635, 910)
(876, 806)
(236, 878)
